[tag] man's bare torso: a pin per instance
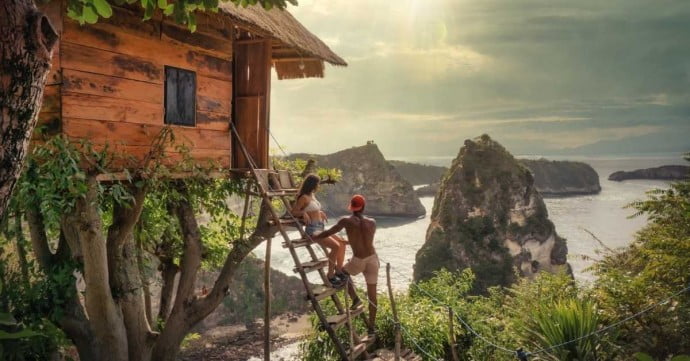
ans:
(360, 234)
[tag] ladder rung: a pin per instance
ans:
(322, 291)
(288, 222)
(367, 339)
(339, 320)
(313, 265)
(296, 243)
(357, 350)
(282, 192)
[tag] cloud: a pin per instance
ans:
(424, 76)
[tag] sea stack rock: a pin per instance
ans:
(366, 172)
(489, 216)
(555, 178)
(666, 172)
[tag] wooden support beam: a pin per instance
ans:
(395, 313)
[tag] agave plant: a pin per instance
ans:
(572, 319)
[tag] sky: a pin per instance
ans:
(540, 76)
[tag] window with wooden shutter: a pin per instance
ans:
(180, 96)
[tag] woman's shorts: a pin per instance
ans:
(314, 228)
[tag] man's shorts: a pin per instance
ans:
(369, 266)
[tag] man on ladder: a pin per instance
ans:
(360, 233)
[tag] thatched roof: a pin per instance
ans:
(307, 52)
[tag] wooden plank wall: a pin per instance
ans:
(113, 82)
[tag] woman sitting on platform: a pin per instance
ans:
(309, 208)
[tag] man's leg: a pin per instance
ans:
(373, 304)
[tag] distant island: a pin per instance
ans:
(666, 172)
(419, 174)
(563, 178)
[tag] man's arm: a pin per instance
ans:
(331, 231)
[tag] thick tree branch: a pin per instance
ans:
(125, 218)
(39, 237)
(241, 249)
(191, 258)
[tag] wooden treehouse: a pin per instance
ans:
(121, 81)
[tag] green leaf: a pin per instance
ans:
(150, 8)
(162, 4)
(681, 358)
(169, 10)
(89, 14)
(192, 23)
(103, 8)
(641, 356)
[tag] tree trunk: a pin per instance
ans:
(140, 338)
(105, 315)
(26, 49)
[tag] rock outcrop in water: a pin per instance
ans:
(419, 174)
(563, 178)
(666, 172)
(365, 171)
(489, 216)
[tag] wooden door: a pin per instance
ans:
(252, 88)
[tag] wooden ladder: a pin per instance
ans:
(270, 185)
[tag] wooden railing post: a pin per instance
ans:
(347, 315)
(267, 301)
(395, 313)
(451, 335)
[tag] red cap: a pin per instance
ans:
(357, 203)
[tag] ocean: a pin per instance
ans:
(604, 215)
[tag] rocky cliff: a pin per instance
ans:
(667, 172)
(365, 171)
(489, 216)
(418, 174)
(563, 178)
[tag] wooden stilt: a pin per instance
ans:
(395, 313)
(451, 335)
(267, 302)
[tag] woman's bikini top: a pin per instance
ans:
(313, 206)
